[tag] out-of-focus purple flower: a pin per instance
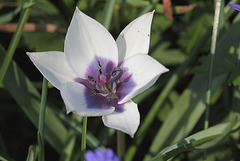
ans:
(101, 155)
(235, 6)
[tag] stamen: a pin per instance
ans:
(99, 67)
(114, 72)
(94, 92)
(91, 80)
(99, 88)
(114, 85)
(117, 80)
(106, 84)
(110, 96)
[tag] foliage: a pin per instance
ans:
(172, 111)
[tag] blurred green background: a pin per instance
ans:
(170, 110)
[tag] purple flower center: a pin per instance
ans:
(106, 83)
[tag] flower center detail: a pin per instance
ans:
(106, 83)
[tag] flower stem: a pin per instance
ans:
(41, 120)
(120, 144)
(84, 136)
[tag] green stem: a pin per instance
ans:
(41, 120)
(212, 52)
(84, 135)
(120, 144)
(14, 41)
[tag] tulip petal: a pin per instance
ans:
(53, 65)
(135, 37)
(77, 99)
(144, 72)
(87, 39)
(126, 121)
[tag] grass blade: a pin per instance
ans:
(142, 131)
(32, 153)
(212, 52)
(28, 98)
(194, 104)
(194, 141)
(108, 13)
(41, 120)
(9, 16)
(14, 41)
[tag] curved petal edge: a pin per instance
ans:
(126, 121)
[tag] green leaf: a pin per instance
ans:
(236, 100)
(41, 120)
(9, 16)
(28, 98)
(170, 56)
(14, 41)
(108, 13)
(137, 3)
(32, 153)
(5, 157)
(176, 9)
(2, 144)
(75, 124)
(172, 82)
(220, 66)
(195, 140)
(219, 138)
(51, 13)
(184, 115)
(191, 104)
(44, 41)
(235, 78)
(67, 153)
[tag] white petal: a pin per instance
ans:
(144, 71)
(76, 100)
(126, 121)
(135, 37)
(85, 40)
(53, 65)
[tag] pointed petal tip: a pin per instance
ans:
(127, 121)
(132, 134)
(29, 53)
(68, 110)
(78, 10)
(166, 70)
